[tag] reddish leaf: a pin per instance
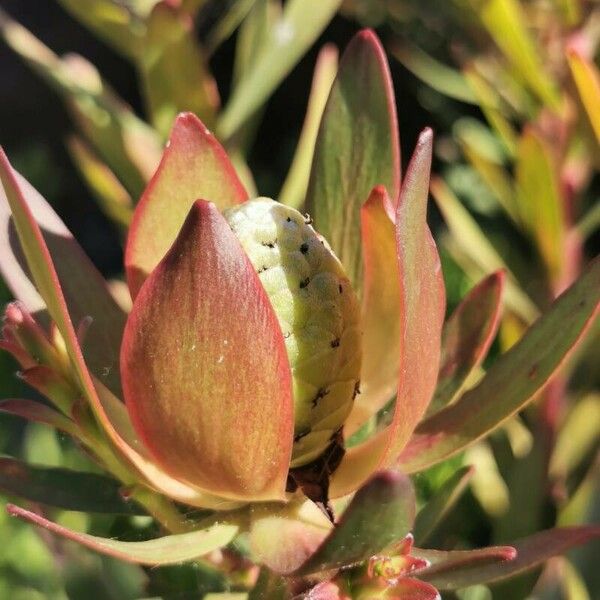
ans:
(381, 316)
(512, 380)
(39, 413)
(85, 292)
(214, 403)
(194, 165)
(412, 589)
(168, 550)
(422, 306)
(283, 537)
(357, 148)
(467, 336)
(452, 570)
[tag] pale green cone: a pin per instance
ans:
(318, 313)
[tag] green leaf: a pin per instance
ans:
(467, 235)
(293, 191)
(126, 143)
(113, 198)
(356, 149)
(193, 166)
(466, 338)
(113, 21)
(435, 74)
(39, 413)
(541, 203)
(215, 402)
(168, 550)
(432, 514)
(512, 381)
(301, 23)
(85, 292)
(233, 17)
(173, 69)
(380, 513)
(530, 552)
(63, 488)
(507, 24)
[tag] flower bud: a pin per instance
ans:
(317, 310)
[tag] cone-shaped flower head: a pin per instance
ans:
(318, 313)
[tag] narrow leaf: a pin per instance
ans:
(63, 488)
(512, 380)
(435, 74)
(506, 22)
(167, 550)
(466, 338)
(468, 236)
(422, 307)
(447, 567)
(381, 317)
(126, 143)
(541, 203)
(39, 413)
(85, 292)
(301, 23)
(194, 165)
(587, 80)
(358, 535)
(442, 502)
(113, 198)
(214, 406)
(114, 22)
(530, 552)
(295, 185)
(356, 149)
(173, 70)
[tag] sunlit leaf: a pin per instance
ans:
(466, 338)
(294, 188)
(587, 80)
(114, 199)
(358, 535)
(540, 201)
(440, 504)
(167, 550)
(530, 552)
(467, 234)
(128, 145)
(422, 307)
(435, 74)
(356, 149)
(63, 488)
(173, 70)
(381, 316)
(512, 380)
(301, 23)
(114, 22)
(211, 408)
(194, 166)
(85, 292)
(507, 24)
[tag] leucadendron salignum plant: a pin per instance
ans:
(236, 401)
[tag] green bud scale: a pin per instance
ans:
(317, 310)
